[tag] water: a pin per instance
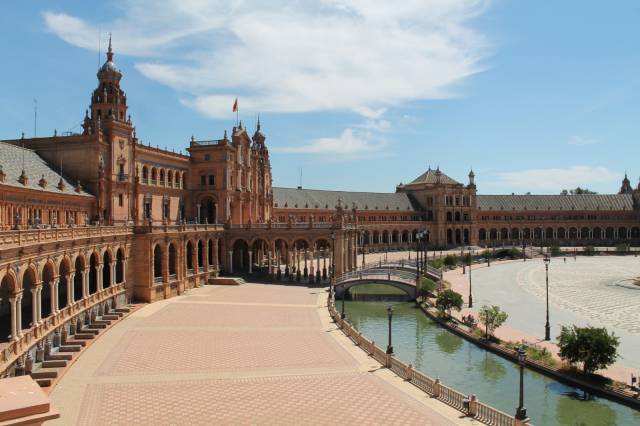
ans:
(469, 369)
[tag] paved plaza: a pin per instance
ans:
(250, 354)
(584, 290)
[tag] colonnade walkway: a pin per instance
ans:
(249, 354)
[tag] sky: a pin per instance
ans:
(356, 95)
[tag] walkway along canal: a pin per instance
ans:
(461, 365)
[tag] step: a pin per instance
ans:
(44, 374)
(123, 310)
(111, 317)
(87, 330)
(70, 348)
(96, 326)
(84, 336)
(101, 322)
(54, 364)
(58, 357)
(75, 342)
(43, 383)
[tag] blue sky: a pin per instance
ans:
(360, 95)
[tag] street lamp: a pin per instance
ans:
(342, 314)
(390, 315)
(521, 412)
(333, 264)
(547, 326)
(470, 296)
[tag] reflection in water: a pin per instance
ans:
(573, 411)
(448, 342)
(472, 370)
(492, 370)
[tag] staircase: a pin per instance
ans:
(58, 353)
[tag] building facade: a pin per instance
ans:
(100, 218)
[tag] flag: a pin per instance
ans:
(235, 105)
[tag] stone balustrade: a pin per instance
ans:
(469, 405)
(19, 238)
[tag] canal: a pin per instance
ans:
(471, 370)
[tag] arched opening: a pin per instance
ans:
(515, 234)
(120, 266)
(457, 216)
(145, 174)
(504, 234)
(162, 177)
(527, 234)
(260, 256)
(597, 233)
(7, 288)
(240, 256)
(200, 256)
(281, 255)
(561, 234)
(189, 256)
(449, 236)
(154, 175)
(405, 236)
(157, 263)
(376, 237)
(45, 297)
(549, 234)
(210, 253)
(635, 232)
(584, 233)
(93, 273)
(609, 233)
(173, 267)
(385, 237)
(573, 233)
(170, 178)
(537, 233)
(466, 236)
(622, 233)
(208, 212)
(28, 284)
(300, 252)
(63, 296)
(493, 234)
(77, 278)
(482, 234)
(449, 217)
(106, 269)
(458, 237)
(394, 237)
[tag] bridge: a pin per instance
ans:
(399, 274)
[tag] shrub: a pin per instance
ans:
(450, 260)
(426, 286)
(594, 347)
(555, 250)
(622, 248)
(588, 251)
(447, 300)
(492, 317)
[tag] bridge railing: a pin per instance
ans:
(466, 404)
(398, 264)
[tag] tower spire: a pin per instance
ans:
(110, 51)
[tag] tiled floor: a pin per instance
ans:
(252, 354)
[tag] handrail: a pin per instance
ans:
(468, 405)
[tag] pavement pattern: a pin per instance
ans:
(237, 355)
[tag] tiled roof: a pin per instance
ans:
(431, 176)
(35, 167)
(318, 199)
(556, 202)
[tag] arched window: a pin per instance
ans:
(157, 263)
(189, 256)
(172, 259)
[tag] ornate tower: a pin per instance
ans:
(626, 186)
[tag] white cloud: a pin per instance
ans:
(556, 179)
(348, 143)
(581, 141)
(294, 56)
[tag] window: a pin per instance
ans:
(120, 200)
(207, 157)
(121, 169)
(212, 179)
(203, 180)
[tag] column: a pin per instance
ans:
(250, 261)
(112, 276)
(85, 283)
(70, 296)
(197, 213)
(270, 271)
(99, 277)
(19, 315)
(35, 306)
(14, 318)
(215, 254)
(54, 295)
(231, 261)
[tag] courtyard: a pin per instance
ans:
(249, 354)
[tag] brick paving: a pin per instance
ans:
(252, 354)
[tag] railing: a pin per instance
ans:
(297, 225)
(39, 236)
(469, 405)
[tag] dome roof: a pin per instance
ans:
(109, 66)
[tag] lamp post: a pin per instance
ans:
(524, 249)
(521, 412)
(470, 296)
(462, 260)
(333, 264)
(547, 326)
(342, 314)
(390, 315)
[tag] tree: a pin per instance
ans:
(555, 250)
(448, 300)
(577, 191)
(450, 260)
(425, 286)
(492, 317)
(594, 347)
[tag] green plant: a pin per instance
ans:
(436, 263)
(594, 347)
(492, 317)
(487, 254)
(555, 250)
(622, 248)
(447, 300)
(588, 251)
(450, 260)
(426, 286)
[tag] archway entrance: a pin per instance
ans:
(208, 212)
(240, 256)
(7, 287)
